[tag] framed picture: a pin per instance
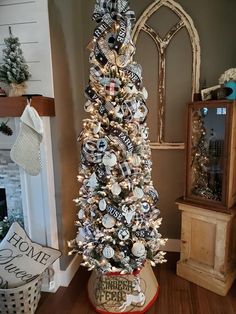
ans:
(206, 93)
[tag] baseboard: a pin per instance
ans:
(67, 275)
(172, 245)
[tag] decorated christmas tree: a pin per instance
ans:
(14, 68)
(200, 157)
(118, 219)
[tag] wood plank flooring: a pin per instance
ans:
(177, 296)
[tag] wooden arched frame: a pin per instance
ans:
(162, 44)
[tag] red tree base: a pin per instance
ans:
(130, 293)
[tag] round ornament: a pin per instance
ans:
(138, 249)
(136, 160)
(123, 234)
(102, 144)
(116, 189)
(138, 192)
(108, 221)
(109, 159)
(108, 252)
(102, 205)
(145, 207)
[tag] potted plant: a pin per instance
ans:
(228, 79)
(14, 70)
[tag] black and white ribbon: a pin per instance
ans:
(91, 94)
(116, 8)
(100, 56)
(114, 212)
(122, 139)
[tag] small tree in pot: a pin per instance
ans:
(14, 70)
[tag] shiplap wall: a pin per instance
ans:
(29, 22)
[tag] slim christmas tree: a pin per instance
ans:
(200, 158)
(14, 68)
(118, 220)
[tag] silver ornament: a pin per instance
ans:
(123, 234)
(138, 193)
(102, 204)
(108, 221)
(138, 249)
(145, 207)
(116, 189)
(102, 144)
(109, 159)
(108, 252)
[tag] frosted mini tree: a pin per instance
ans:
(14, 68)
(118, 220)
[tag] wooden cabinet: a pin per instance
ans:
(208, 211)
(211, 154)
(208, 247)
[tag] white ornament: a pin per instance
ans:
(136, 160)
(102, 144)
(108, 252)
(128, 213)
(102, 205)
(145, 93)
(138, 249)
(108, 221)
(92, 182)
(116, 189)
(145, 207)
(123, 234)
(81, 214)
(138, 192)
(109, 159)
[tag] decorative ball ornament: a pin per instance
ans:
(145, 207)
(138, 192)
(102, 204)
(109, 159)
(108, 221)
(123, 234)
(102, 144)
(138, 249)
(108, 252)
(116, 189)
(136, 160)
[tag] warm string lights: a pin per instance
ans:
(117, 215)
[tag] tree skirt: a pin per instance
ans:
(130, 293)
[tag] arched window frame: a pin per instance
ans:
(162, 44)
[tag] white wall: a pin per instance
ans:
(29, 22)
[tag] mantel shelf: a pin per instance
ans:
(14, 106)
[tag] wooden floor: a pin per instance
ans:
(177, 296)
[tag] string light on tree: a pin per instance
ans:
(117, 201)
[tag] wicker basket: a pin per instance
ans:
(23, 299)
